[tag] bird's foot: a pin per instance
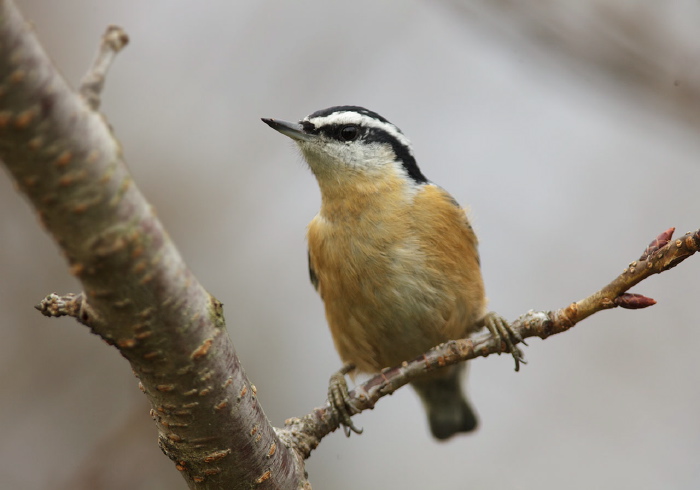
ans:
(500, 328)
(339, 398)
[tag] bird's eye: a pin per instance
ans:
(349, 132)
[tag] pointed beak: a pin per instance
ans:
(293, 130)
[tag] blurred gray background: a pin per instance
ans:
(569, 128)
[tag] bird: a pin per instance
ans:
(394, 258)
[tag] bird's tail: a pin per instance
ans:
(444, 401)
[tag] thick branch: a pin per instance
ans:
(140, 296)
(662, 254)
(138, 293)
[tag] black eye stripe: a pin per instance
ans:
(349, 132)
(367, 134)
(378, 135)
(333, 131)
(309, 127)
(402, 152)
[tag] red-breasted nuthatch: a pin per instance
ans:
(393, 257)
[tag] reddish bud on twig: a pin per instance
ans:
(633, 301)
(659, 242)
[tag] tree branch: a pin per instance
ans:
(138, 293)
(113, 41)
(662, 254)
(140, 296)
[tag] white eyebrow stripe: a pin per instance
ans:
(351, 117)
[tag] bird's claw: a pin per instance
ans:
(501, 329)
(339, 399)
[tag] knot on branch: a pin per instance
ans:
(72, 305)
(55, 305)
(568, 317)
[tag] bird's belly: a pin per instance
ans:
(386, 306)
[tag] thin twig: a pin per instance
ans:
(113, 40)
(305, 433)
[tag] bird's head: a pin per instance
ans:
(346, 143)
